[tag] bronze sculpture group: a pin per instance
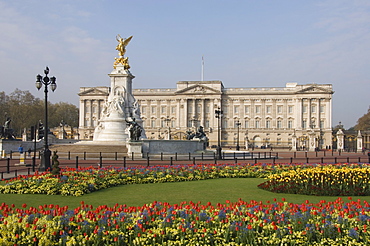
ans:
(134, 129)
(5, 131)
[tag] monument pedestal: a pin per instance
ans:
(134, 148)
(112, 129)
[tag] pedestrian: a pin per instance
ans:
(29, 152)
(20, 149)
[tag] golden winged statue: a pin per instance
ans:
(122, 43)
(121, 47)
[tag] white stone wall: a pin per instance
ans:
(268, 116)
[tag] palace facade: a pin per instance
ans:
(254, 117)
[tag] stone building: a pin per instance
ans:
(278, 117)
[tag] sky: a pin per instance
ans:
(250, 43)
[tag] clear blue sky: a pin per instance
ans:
(245, 44)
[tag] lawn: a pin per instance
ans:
(213, 190)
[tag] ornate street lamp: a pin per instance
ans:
(237, 135)
(218, 115)
(46, 153)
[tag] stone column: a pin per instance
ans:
(82, 114)
(319, 113)
(202, 113)
(301, 113)
(309, 113)
(178, 114)
(91, 114)
(359, 142)
(329, 113)
(185, 113)
(99, 109)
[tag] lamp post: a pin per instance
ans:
(168, 120)
(218, 115)
(237, 135)
(46, 153)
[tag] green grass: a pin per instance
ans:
(213, 190)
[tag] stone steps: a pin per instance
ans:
(92, 150)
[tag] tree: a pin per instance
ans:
(25, 110)
(62, 111)
(363, 123)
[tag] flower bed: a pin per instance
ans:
(85, 180)
(240, 223)
(322, 181)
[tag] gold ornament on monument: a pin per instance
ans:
(121, 47)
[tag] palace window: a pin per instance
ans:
(246, 123)
(268, 124)
(290, 124)
(278, 141)
(313, 109)
(304, 109)
(290, 109)
(279, 109)
(163, 110)
(206, 124)
(257, 124)
(246, 109)
(304, 124)
(199, 108)
(190, 123)
(322, 124)
(279, 124)
(268, 109)
(154, 110)
(236, 109)
(152, 123)
(207, 108)
(173, 110)
(143, 109)
(258, 109)
(190, 109)
(322, 108)
(224, 124)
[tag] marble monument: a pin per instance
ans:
(120, 110)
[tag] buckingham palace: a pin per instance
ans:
(256, 117)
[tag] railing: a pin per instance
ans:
(9, 167)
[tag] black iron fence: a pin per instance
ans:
(9, 167)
